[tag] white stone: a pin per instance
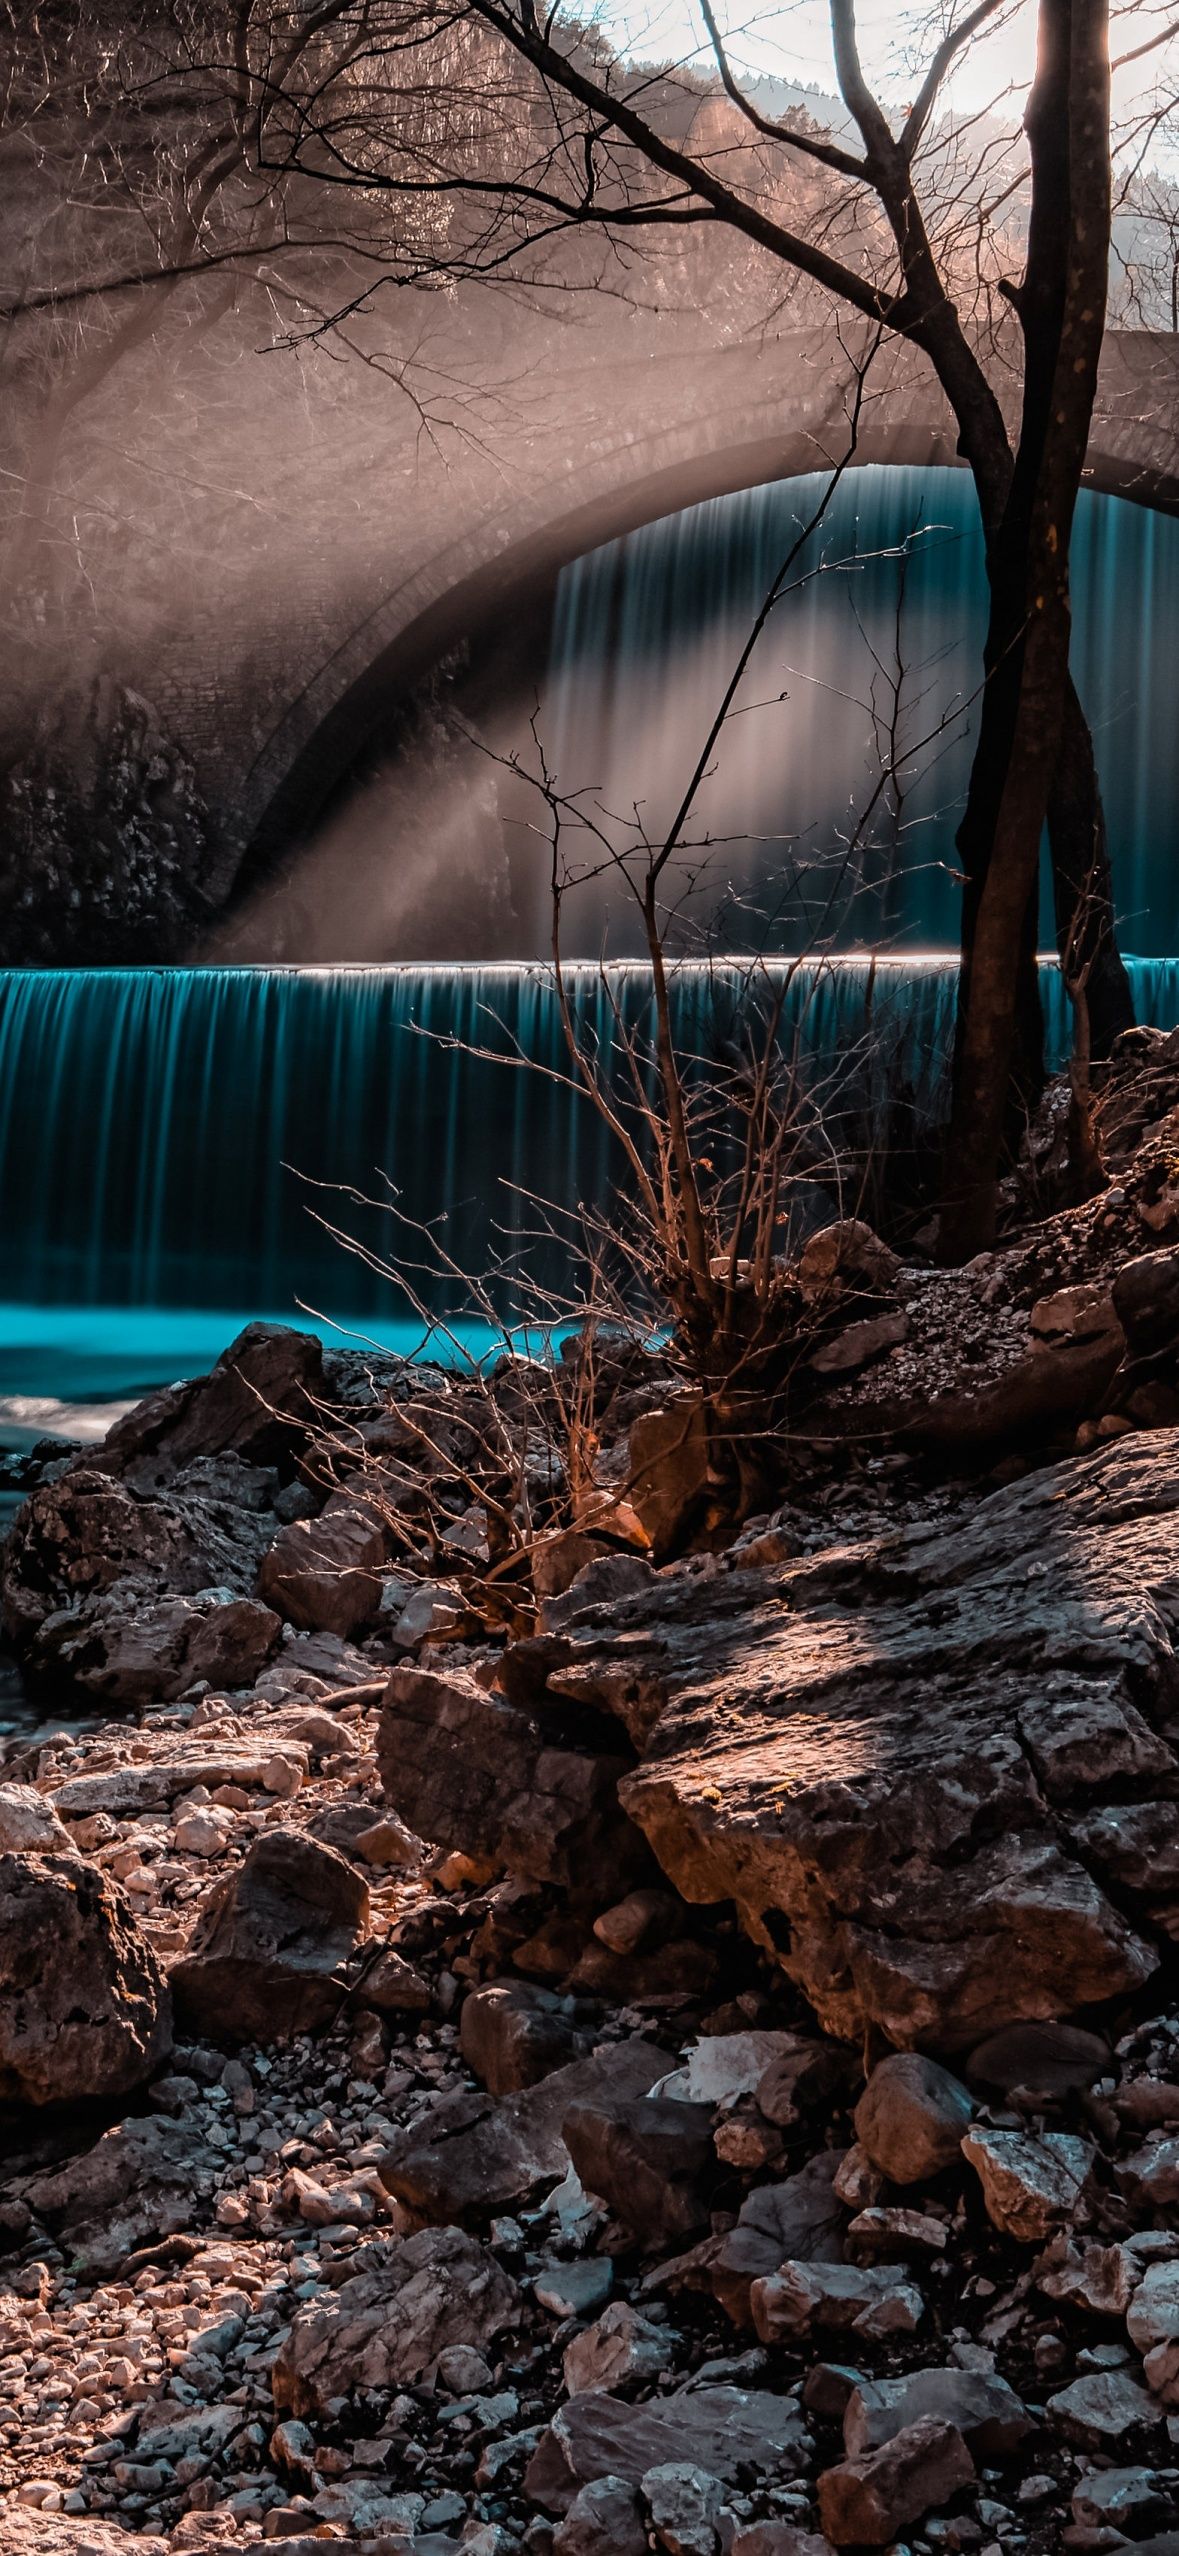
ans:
(1030, 2186)
(29, 1825)
(1154, 2310)
(728, 2064)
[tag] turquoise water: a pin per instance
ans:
(648, 628)
(99, 1358)
(191, 1137)
(183, 1150)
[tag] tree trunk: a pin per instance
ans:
(1061, 306)
(1026, 1079)
(1082, 884)
(1018, 741)
(1076, 819)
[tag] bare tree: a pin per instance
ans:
(478, 142)
(138, 205)
(83, 194)
(509, 133)
(720, 1142)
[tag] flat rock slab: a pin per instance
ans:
(718, 2429)
(124, 1791)
(895, 1757)
(37, 2533)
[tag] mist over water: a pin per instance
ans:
(182, 1150)
(441, 848)
(878, 635)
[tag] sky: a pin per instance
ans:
(794, 43)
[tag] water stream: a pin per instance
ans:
(175, 1143)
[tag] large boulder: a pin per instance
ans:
(722, 2430)
(513, 2032)
(384, 2329)
(911, 1764)
(133, 1571)
(84, 2006)
(529, 1791)
(265, 1960)
(134, 1650)
(259, 1402)
(137, 1595)
(651, 2161)
(326, 1573)
(87, 1535)
(29, 1825)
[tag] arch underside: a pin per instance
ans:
(507, 561)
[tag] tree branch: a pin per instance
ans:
(946, 54)
(828, 154)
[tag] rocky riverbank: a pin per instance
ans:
(557, 2020)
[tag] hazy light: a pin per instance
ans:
(794, 44)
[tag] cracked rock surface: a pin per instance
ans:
(918, 1765)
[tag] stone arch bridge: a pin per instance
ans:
(287, 543)
(600, 448)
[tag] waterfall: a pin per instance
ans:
(175, 1143)
(647, 631)
(160, 1129)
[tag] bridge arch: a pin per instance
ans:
(695, 429)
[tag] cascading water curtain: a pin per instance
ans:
(872, 655)
(182, 1138)
(168, 1136)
